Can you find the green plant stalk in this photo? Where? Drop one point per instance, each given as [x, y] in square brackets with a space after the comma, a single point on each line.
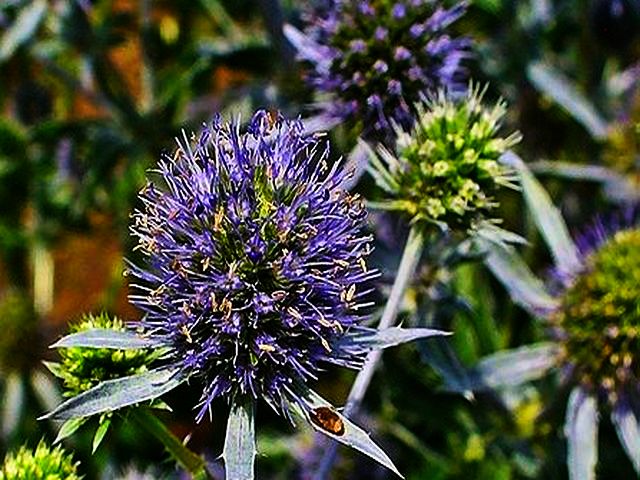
[406, 270]
[187, 459]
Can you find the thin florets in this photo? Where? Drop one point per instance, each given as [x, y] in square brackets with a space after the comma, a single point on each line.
[255, 259]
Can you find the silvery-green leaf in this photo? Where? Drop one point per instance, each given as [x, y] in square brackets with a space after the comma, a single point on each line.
[352, 435]
[523, 286]
[12, 403]
[552, 83]
[240, 442]
[514, 367]
[626, 423]
[102, 430]
[307, 48]
[495, 234]
[390, 337]
[319, 123]
[23, 28]
[69, 427]
[546, 216]
[107, 338]
[575, 171]
[114, 394]
[581, 430]
[45, 389]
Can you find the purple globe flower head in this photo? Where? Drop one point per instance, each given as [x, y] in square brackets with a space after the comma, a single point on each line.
[403, 41]
[254, 278]
[257, 259]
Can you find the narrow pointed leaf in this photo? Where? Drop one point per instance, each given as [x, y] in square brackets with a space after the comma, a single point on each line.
[514, 367]
[305, 46]
[441, 357]
[102, 430]
[626, 423]
[581, 429]
[107, 338]
[319, 123]
[547, 217]
[22, 29]
[564, 93]
[69, 427]
[240, 443]
[523, 286]
[350, 434]
[390, 337]
[12, 404]
[114, 394]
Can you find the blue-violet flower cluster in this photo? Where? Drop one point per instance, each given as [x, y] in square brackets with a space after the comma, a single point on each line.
[376, 57]
[256, 260]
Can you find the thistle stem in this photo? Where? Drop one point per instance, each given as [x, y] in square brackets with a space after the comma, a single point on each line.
[188, 460]
[406, 270]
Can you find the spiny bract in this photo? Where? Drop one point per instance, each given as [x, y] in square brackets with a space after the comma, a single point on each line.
[82, 368]
[255, 259]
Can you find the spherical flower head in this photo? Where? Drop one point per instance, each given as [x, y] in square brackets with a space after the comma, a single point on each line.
[44, 463]
[255, 259]
[82, 368]
[599, 313]
[446, 171]
[20, 334]
[378, 56]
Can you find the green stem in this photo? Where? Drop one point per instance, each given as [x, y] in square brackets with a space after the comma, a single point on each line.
[188, 460]
[406, 270]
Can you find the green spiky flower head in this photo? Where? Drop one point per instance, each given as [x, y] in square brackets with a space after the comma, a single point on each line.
[447, 170]
[45, 463]
[82, 368]
[599, 316]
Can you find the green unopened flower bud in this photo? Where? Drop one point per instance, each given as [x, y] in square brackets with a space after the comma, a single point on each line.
[82, 368]
[44, 463]
[446, 170]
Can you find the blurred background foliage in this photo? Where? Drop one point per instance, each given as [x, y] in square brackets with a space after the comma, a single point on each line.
[93, 92]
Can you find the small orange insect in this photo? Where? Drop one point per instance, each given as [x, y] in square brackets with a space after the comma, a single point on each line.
[327, 420]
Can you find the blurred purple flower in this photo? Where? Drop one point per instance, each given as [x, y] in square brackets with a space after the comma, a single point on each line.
[397, 51]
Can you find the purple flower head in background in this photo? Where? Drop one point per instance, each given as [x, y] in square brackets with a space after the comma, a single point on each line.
[402, 50]
[256, 259]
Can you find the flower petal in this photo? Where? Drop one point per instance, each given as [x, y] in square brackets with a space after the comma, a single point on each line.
[114, 394]
[626, 423]
[581, 429]
[240, 442]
